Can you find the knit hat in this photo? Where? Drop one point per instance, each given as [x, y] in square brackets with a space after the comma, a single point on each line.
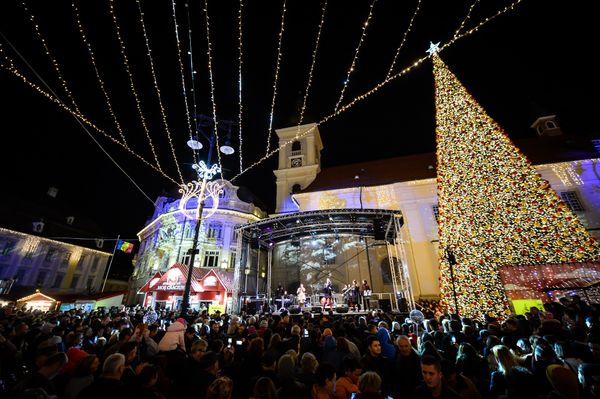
[563, 380]
[182, 321]
[74, 355]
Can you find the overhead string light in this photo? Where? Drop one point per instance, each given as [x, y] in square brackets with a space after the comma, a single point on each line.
[240, 48]
[212, 85]
[276, 75]
[312, 67]
[63, 82]
[356, 52]
[410, 24]
[188, 118]
[98, 77]
[377, 87]
[190, 54]
[156, 88]
[138, 103]
[462, 24]
[11, 68]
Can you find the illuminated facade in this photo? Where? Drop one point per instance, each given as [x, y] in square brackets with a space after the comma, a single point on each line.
[569, 164]
[167, 239]
[50, 265]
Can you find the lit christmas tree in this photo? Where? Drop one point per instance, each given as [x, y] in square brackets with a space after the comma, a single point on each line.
[494, 208]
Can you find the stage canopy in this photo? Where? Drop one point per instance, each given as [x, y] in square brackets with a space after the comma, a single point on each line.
[374, 223]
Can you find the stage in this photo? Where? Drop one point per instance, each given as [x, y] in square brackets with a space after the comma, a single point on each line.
[326, 312]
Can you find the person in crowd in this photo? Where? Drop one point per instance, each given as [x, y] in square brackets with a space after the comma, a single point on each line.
[406, 374]
[433, 382]
[130, 351]
[348, 382]
[372, 360]
[458, 382]
[308, 368]
[41, 379]
[109, 385]
[264, 389]
[145, 382]
[325, 382]
[369, 386]
[174, 338]
[83, 376]
[221, 388]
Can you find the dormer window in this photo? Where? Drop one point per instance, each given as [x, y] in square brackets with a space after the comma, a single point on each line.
[70, 220]
[38, 227]
[550, 125]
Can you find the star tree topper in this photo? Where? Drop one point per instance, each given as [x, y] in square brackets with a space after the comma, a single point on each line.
[433, 48]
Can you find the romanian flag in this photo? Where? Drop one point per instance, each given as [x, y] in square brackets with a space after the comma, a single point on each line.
[125, 246]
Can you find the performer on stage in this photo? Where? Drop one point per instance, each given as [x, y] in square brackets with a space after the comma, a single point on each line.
[280, 294]
[327, 292]
[354, 295]
[366, 295]
[301, 295]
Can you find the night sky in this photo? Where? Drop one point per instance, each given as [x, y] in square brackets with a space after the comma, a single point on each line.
[534, 59]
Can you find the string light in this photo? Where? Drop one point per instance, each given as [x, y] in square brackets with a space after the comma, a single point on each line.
[240, 81]
[462, 24]
[377, 87]
[276, 76]
[403, 40]
[138, 103]
[193, 77]
[212, 85]
[52, 59]
[495, 209]
[188, 119]
[312, 66]
[10, 68]
[100, 81]
[159, 97]
[356, 52]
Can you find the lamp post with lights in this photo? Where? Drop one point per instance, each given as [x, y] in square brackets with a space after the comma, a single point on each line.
[201, 189]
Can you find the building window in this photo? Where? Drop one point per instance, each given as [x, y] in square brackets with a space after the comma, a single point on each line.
[81, 260]
[50, 255]
[232, 259]
[329, 259]
[90, 284]
[186, 259]
[41, 278]
[596, 144]
[20, 276]
[7, 248]
[66, 259]
[215, 231]
[572, 200]
[74, 282]
[211, 258]
[436, 213]
[296, 148]
[58, 280]
[94, 266]
[234, 234]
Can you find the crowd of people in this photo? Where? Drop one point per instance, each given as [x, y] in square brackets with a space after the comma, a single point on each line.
[145, 353]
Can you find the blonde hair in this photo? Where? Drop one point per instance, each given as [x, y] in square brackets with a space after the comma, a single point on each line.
[369, 382]
[504, 358]
[220, 388]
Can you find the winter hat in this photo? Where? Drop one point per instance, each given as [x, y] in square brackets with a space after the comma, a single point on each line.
[74, 355]
[182, 321]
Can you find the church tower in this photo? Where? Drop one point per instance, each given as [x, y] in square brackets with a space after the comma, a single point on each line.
[299, 163]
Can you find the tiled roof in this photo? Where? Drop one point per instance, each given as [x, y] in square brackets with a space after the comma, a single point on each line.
[539, 150]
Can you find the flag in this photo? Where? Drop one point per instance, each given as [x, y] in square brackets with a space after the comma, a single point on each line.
[125, 246]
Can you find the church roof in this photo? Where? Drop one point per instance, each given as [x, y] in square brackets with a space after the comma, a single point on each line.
[538, 150]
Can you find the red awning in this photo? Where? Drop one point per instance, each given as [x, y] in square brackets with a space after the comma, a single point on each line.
[151, 283]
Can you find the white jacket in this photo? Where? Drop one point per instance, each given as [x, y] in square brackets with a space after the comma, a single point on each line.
[174, 338]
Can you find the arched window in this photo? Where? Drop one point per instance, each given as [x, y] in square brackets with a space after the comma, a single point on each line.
[296, 146]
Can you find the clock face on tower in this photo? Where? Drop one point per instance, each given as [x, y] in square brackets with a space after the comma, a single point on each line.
[296, 162]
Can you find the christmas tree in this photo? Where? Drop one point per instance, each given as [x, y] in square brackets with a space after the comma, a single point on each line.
[494, 208]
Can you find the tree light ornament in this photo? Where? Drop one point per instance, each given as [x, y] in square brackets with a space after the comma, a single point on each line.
[495, 210]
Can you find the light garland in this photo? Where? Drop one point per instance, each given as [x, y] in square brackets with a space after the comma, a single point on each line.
[52, 59]
[462, 24]
[494, 208]
[312, 67]
[188, 118]
[212, 85]
[100, 81]
[240, 81]
[192, 76]
[403, 40]
[276, 76]
[138, 103]
[377, 87]
[356, 52]
[79, 116]
[159, 97]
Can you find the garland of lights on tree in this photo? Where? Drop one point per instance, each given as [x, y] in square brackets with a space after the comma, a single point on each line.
[494, 208]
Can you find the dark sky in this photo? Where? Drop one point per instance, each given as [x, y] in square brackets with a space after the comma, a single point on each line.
[531, 60]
